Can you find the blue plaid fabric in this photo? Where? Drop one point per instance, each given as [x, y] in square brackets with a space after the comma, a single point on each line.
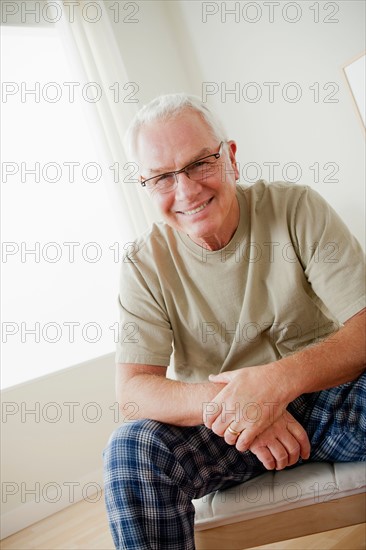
[154, 470]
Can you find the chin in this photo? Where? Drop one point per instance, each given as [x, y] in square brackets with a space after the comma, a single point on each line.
[201, 228]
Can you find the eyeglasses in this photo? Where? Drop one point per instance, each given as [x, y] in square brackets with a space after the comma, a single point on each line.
[199, 170]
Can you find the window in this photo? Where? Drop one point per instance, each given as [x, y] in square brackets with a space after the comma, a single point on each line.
[61, 244]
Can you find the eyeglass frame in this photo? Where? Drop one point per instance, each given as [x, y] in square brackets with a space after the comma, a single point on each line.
[176, 172]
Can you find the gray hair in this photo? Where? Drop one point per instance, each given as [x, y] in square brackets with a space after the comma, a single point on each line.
[166, 106]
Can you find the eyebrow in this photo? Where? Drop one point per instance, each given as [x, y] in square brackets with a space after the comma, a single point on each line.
[199, 155]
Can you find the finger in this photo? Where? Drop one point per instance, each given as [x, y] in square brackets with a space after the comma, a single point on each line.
[301, 437]
[210, 412]
[265, 456]
[222, 423]
[231, 438]
[247, 438]
[288, 441]
[279, 453]
[292, 447]
[282, 436]
[213, 409]
[229, 413]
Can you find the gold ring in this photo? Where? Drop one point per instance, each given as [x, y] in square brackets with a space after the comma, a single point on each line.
[234, 432]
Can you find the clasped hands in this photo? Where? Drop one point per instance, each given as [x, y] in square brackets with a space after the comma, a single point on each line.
[250, 413]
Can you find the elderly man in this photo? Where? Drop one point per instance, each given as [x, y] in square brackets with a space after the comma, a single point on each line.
[252, 296]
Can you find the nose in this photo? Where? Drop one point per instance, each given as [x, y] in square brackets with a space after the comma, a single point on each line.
[185, 187]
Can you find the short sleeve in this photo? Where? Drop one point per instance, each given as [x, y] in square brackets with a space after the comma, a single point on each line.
[145, 335]
[332, 258]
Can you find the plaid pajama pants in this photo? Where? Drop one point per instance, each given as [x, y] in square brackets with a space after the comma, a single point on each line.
[154, 470]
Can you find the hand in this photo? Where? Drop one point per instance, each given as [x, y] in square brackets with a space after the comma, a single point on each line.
[282, 443]
[252, 399]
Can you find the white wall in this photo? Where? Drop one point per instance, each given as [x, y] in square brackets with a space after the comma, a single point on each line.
[54, 429]
[219, 52]
[171, 49]
[305, 52]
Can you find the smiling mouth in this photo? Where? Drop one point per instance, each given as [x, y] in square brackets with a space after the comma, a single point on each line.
[196, 210]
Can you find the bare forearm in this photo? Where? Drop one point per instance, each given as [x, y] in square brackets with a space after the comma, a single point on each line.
[338, 359]
[159, 398]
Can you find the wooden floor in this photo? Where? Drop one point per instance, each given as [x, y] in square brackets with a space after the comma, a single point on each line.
[83, 526]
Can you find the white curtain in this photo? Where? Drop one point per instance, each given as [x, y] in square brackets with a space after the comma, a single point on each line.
[93, 50]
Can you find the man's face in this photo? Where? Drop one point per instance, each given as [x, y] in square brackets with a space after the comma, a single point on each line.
[167, 146]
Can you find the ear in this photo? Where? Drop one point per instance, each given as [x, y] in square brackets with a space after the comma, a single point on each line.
[232, 155]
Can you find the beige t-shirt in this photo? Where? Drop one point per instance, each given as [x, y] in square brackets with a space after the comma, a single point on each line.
[291, 274]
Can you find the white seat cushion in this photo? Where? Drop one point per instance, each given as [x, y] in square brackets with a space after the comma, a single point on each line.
[278, 491]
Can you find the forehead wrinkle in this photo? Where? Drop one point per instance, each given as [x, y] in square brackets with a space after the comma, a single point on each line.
[197, 156]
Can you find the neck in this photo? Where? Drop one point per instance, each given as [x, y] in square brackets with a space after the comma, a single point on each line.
[221, 239]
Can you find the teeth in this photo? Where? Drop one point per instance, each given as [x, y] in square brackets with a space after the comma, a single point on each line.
[190, 212]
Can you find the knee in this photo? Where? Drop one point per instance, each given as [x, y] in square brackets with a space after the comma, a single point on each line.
[131, 441]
